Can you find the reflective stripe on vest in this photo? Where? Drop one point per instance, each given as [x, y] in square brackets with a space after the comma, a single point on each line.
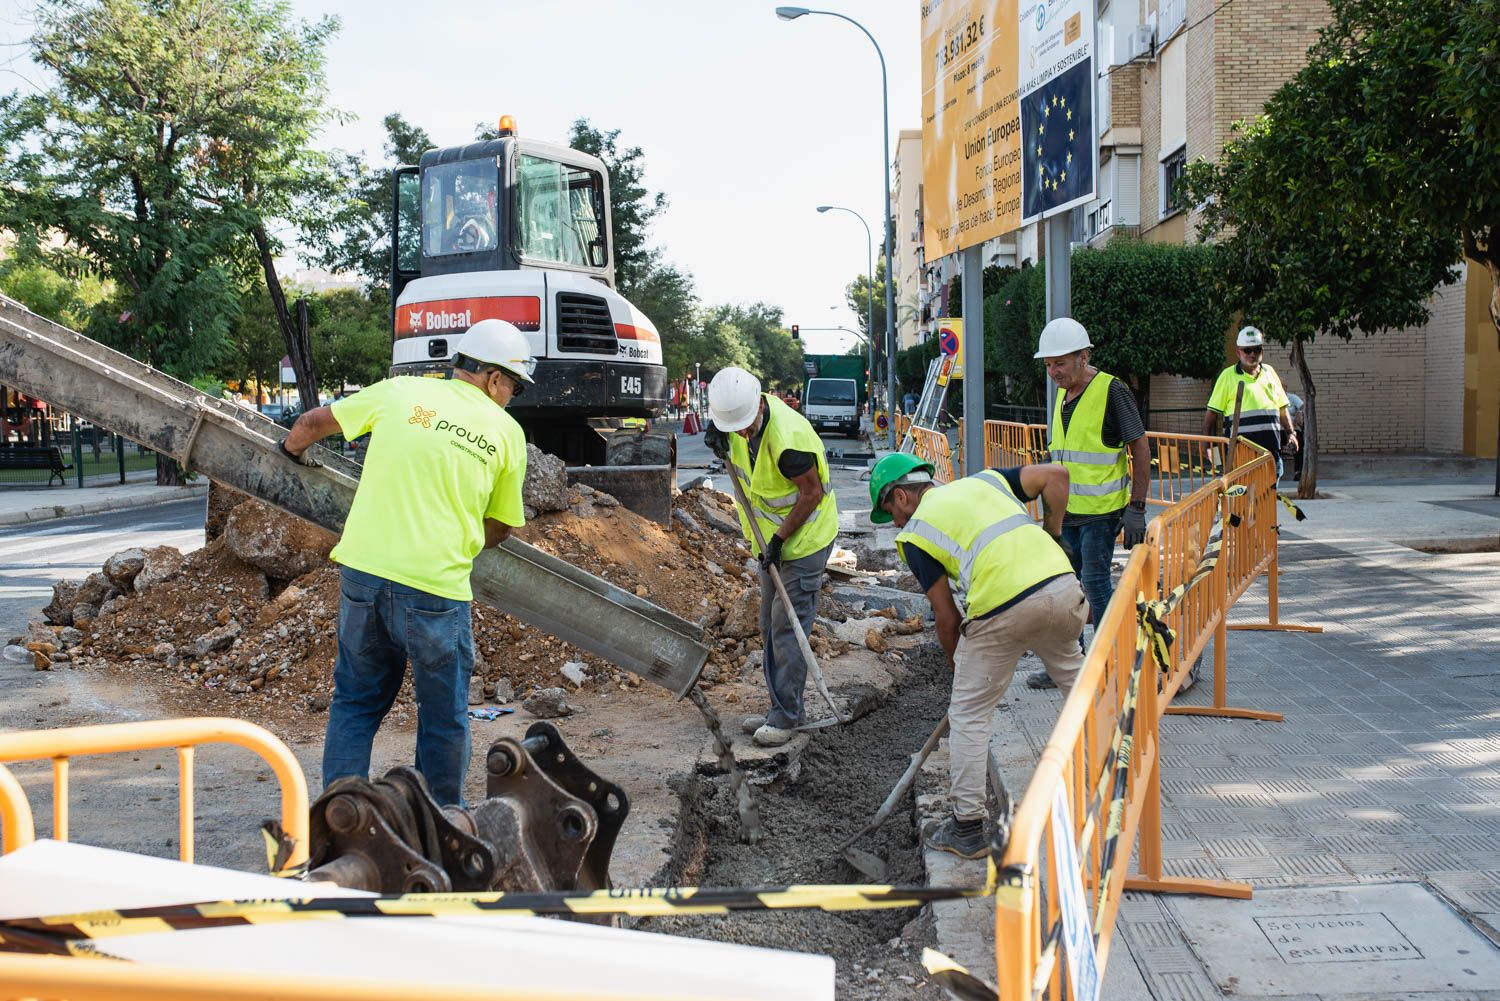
[1001, 558]
[771, 495]
[1098, 477]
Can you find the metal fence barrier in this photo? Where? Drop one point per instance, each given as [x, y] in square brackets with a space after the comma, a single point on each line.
[185, 735]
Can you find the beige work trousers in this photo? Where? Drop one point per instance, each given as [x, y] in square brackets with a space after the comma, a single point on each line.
[1048, 623]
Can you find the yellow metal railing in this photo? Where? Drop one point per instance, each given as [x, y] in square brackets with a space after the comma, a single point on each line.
[185, 735]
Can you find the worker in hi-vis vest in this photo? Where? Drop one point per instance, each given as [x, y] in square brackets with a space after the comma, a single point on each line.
[1094, 420]
[975, 535]
[1265, 414]
[784, 473]
[442, 480]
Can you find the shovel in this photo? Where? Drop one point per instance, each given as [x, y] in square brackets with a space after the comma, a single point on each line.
[867, 863]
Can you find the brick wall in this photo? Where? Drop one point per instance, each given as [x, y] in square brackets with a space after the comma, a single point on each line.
[1371, 390]
[1150, 91]
[1444, 412]
[1125, 97]
[1260, 45]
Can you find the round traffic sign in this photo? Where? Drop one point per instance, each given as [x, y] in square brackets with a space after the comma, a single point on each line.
[948, 341]
[881, 422]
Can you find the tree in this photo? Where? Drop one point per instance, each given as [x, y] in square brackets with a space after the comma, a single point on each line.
[174, 138]
[668, 299]
[857, 295]
[356, 237]
[63, 297]
[769, 349]
[351, 337]
[1302, 250]
[253, 348]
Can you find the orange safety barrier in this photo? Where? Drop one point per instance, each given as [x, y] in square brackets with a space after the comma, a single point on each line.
[903, 425]
[62, 745]
[1181, 463]
[1007, 443]
[15, 813]
[1252, 549]
[933, 446]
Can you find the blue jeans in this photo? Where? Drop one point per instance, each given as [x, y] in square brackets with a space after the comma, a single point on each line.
[382, 625]
[1093, 545]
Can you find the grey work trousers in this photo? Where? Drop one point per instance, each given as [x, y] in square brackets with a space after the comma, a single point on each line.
[786, 671]
[1047, 623]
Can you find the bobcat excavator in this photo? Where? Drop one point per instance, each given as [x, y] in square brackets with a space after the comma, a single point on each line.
[519, 230]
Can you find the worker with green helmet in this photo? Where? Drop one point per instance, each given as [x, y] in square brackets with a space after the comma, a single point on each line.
[1094, 421]
[784, 472]
[442, 480]
[976, 536]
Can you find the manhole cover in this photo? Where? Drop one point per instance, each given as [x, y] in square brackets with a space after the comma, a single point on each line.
[1337, 942]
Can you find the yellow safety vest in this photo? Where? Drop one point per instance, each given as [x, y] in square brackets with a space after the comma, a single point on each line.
[1098, 477]
[772, 495]
[985, 540]
[1260, 409]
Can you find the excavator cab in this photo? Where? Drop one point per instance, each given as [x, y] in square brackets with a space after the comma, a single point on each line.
[519, 230]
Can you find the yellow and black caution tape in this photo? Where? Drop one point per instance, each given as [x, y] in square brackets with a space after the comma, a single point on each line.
[634, 902]
[954, 978]
[1287, 503]
[279, 845]
[45, 944]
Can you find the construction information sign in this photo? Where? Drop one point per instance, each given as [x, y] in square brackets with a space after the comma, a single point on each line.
[1007, 116]
[1059, 157]
[971, 146]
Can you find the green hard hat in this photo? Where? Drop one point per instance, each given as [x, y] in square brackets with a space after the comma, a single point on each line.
[892, 469]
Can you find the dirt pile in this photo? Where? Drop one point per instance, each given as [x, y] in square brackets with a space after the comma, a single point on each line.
[215, 623]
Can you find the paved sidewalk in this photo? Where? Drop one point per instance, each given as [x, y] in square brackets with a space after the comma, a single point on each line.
[1377, 800]
[25, 506]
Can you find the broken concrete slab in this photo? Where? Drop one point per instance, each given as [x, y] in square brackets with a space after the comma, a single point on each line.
[873, 596]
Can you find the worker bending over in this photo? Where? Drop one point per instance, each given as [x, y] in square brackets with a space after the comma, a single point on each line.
[975, 534]
[784, 473]
[442, 480]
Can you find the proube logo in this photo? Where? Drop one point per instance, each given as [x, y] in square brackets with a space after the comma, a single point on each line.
[422, 417]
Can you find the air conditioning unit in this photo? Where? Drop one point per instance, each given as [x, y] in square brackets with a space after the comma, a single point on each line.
[1142, 41]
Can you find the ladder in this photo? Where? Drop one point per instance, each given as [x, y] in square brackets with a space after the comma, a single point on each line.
[934, 398]
[236, 446]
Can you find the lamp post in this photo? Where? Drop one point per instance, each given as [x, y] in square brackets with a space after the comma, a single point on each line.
[791, 14]
[869, 299]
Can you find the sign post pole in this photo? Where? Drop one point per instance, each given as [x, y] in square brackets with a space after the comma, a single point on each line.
[973, 358]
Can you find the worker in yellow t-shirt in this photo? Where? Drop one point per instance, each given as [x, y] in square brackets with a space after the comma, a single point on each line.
[442, 480]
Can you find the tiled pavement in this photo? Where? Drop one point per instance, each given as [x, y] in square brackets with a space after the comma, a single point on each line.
[1386, 769]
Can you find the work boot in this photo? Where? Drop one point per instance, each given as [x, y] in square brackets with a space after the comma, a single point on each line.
[752, 723]
[947, 836]
[1040, 679]
[773, 736]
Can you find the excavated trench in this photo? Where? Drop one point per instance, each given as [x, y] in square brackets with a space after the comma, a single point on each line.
[845, 775]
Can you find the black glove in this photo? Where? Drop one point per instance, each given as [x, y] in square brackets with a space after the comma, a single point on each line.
[771, 557]
[302, 460]
[717, 442]
[1135, 525]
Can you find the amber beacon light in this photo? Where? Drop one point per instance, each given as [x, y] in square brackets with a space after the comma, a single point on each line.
[507, 125]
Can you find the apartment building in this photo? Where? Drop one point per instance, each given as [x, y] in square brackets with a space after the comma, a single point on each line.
[906, 207]
[1174, 77]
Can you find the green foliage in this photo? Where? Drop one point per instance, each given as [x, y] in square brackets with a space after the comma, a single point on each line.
[995, 276]
[856, 294]
[356, 236]
[1149, 309]
[174, 134]
[253, 347]
[351, 338]
[51, 293]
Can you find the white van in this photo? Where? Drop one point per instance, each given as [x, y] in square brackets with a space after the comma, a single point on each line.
[832, 405]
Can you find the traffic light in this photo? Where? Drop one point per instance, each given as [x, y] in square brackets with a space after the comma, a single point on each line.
[795, 336]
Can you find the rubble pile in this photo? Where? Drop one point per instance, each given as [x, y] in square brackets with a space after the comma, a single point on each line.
[254, 613]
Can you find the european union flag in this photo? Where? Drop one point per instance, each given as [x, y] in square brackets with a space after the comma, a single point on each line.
[1057, 141]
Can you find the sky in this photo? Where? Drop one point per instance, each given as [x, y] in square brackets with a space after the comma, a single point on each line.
[747, 122]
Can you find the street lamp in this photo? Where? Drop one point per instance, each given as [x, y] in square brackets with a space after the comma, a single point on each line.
[791, 14]
[869, 297]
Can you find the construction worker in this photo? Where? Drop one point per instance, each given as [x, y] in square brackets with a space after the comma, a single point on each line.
[1021, 592]
[784, 474]
[1265, 417]
[442, 480]
[1094, 420]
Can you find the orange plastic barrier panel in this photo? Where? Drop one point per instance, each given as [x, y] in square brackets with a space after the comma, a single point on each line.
[933, 446]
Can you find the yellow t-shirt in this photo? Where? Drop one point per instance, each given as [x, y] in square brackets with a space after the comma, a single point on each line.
[442, 458]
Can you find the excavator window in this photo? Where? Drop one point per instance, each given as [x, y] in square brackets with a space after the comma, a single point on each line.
[560, 213]
[458, 213]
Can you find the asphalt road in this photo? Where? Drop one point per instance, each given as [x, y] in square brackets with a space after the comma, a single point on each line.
[34, 557]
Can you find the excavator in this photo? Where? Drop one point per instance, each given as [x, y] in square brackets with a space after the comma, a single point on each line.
[517, 229]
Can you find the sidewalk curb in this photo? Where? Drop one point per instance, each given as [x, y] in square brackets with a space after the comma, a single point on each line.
[56, 511]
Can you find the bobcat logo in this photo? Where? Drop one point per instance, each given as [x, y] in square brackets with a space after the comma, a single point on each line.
[422, 417]
[415, 319]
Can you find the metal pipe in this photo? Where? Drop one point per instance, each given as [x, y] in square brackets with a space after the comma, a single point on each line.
[869, 304]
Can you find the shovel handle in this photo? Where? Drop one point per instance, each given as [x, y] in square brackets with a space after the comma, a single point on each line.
[904, 783]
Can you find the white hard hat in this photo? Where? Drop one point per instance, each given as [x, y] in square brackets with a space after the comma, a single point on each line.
[733, 399]
[1250, 337]
[496, 342]
[1062, 336]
